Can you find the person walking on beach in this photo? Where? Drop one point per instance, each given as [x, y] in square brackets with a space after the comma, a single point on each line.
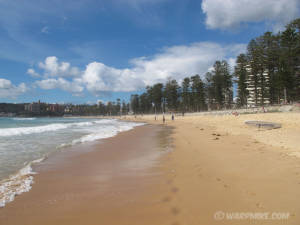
[172, 116]
[164, 120]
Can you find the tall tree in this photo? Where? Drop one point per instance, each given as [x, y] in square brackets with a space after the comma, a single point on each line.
[172, 94]
[227, 84]
[118, 106]
[240, 72]
[145, 103]
[157, 96]
[198, 95]
[290, 61]
[134, 102]
[124, 108]
[186, 94]
[210, 90]
[218, 84]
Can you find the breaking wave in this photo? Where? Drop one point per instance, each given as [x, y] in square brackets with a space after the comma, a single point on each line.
[17, 184]
[6, 132]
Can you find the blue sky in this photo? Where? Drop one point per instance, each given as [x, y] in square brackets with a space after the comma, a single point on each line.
[61, 51]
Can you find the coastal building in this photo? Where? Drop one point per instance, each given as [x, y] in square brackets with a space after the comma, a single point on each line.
[55, 108]
[34, 107]
[68, 109]
[258, 88]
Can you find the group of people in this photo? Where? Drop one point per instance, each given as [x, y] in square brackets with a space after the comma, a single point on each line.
[164, 119]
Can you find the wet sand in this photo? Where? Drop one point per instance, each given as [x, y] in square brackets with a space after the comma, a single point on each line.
[98, 183]
[209, 169]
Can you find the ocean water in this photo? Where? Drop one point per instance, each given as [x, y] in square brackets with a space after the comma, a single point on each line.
[24, 141]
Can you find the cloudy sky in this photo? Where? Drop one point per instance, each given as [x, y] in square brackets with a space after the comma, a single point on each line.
[85, 50]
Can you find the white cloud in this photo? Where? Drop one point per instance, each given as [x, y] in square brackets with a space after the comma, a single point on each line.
[101, 78]
[176, 62]
[227, 14]
[45, 30]
[32, 73]
[60, 83]
[53, 68]
[182, 61]
[8, 90]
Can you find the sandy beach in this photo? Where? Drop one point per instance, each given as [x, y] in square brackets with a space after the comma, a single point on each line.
[193, 170]
[219, 164]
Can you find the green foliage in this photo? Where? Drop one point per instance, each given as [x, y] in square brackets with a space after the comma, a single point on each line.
[240, 73]
[186, 94]
[277, 55]
[171, 94]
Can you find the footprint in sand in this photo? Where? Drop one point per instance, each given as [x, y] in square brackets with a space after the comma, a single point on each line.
[175, 223]
[169, 181]
[216, 138]
[174, 189]
[224, 185]
[166, 199]
[251, 193]
[175, 211]
[259, 205]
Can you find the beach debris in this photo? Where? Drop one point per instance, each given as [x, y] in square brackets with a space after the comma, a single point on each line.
[263, 124]
[174, 189]
[175, 210]
[166, 199]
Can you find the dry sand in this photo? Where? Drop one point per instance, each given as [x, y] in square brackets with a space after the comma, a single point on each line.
[221, 164]
[217, 164]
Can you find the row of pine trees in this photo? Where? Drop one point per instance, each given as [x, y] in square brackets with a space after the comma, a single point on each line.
[193, 94]
[277, 55]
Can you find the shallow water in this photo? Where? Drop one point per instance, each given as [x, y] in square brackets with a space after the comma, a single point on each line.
[24, 140]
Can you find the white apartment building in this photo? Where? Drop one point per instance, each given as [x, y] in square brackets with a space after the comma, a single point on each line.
[251, 100]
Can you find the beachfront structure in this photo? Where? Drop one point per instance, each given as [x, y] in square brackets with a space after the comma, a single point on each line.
[34, 107]
[257, 87]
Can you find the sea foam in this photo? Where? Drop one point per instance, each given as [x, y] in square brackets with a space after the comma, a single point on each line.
[6, 132]
[17, 184]
[22, 181]
[24, 118]
[106, 132]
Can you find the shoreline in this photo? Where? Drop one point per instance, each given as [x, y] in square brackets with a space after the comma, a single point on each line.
[104, 170]
[217, 163]
[20, 179]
